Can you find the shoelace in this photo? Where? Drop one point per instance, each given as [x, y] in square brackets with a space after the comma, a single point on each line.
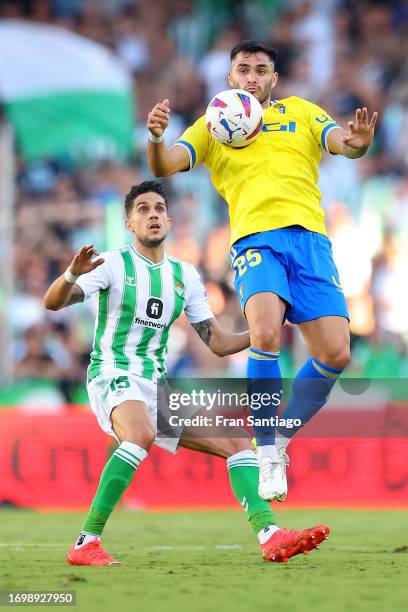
[266, 469]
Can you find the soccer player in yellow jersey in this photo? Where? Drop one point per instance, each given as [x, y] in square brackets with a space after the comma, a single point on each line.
[280, 251]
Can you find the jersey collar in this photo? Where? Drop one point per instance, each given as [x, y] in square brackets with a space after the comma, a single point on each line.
[148, 261]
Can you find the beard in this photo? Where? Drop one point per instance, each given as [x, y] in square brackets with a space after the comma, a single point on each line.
[152, 243]
[263, 95]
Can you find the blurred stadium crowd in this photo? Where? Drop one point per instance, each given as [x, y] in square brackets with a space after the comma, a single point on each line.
[339, 54]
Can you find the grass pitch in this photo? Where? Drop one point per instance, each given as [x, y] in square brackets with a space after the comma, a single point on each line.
[210, 561]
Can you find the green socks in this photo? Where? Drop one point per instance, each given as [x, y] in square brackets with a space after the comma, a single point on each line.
[118, 473]
[244, 474]
[115, 478]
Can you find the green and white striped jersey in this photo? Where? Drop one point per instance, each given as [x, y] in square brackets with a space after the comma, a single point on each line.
[138, 302]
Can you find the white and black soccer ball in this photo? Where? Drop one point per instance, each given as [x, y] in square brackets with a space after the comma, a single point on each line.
[234, 117]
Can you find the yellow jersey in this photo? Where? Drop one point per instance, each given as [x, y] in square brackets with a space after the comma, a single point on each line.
[271, 183]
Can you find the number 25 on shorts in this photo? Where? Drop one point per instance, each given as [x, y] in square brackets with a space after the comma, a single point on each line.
[251, 258]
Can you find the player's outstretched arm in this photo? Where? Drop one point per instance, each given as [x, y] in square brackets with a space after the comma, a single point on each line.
[64, 291]
[220, 342]
[354, 142]
[163, 161]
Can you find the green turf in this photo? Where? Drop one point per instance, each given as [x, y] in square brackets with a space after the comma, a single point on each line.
[214, 563]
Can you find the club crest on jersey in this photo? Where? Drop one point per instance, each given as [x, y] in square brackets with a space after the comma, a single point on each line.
[179, 289]
[281, 108]
[154, 308]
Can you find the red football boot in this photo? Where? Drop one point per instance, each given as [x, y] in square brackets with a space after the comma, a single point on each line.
[90, 554]
[286, 543]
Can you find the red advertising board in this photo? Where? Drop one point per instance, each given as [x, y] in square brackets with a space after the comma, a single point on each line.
[54, 462]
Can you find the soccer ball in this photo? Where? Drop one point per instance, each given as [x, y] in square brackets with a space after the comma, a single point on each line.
[234, 117]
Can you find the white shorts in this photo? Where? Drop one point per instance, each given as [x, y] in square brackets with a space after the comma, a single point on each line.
[113, 387]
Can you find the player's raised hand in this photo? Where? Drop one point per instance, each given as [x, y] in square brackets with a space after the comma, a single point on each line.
[158, 118]
[361, 131]
[83, 262]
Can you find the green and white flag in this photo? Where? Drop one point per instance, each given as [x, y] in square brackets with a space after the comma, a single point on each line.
[63, 93]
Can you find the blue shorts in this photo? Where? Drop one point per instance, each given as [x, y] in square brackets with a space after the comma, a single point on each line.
[294, 263]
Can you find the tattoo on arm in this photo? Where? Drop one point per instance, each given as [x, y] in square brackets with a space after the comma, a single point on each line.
[204, 329]
[76, 295]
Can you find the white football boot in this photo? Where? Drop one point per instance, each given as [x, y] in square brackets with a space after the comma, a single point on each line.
[273, 485]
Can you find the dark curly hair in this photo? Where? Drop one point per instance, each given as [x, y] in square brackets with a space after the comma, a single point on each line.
[145, 187]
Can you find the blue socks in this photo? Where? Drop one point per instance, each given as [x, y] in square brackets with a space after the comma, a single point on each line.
[310, 391]
[265, 378]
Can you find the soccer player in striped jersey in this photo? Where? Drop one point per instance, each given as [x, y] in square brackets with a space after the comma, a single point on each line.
[279, 246]
[142, 291]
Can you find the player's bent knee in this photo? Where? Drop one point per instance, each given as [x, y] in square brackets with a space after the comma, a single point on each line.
[238, 445]
[265, 338]
[131, 422]
[143, 438]
[337, 359]
[138, 433]
[343, 359]
[230, 446]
